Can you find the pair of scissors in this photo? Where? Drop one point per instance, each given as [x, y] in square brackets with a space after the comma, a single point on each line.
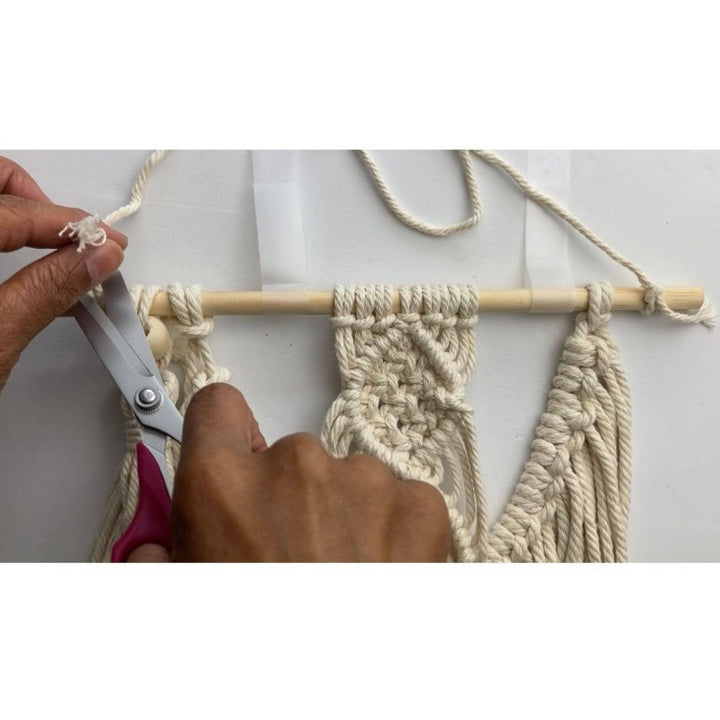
[119, 340]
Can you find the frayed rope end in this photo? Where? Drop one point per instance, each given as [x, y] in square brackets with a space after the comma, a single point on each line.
[704, 315]
[85, 232]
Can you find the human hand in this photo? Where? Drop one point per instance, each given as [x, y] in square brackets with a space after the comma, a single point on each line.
[235, 499]
[50, 286]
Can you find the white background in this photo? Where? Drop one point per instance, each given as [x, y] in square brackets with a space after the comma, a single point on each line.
[60, 429]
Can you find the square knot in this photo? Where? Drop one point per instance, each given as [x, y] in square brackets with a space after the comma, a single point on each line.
[403, 374]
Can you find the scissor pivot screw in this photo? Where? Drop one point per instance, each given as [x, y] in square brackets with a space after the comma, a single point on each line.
[147, 400]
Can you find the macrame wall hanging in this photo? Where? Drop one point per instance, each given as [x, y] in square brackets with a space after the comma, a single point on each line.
[405, 357]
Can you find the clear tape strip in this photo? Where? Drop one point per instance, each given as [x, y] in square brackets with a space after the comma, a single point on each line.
[281, 299]
[547, 265]
[278, 217]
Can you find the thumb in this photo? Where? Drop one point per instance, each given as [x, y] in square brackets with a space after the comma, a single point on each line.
[45, 289]
[218, 418]
[148, 554]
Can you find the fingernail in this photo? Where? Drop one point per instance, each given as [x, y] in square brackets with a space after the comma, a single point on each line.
[102, 261]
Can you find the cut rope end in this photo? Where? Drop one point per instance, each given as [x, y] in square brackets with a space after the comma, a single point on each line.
[85, 232]
[704, 315]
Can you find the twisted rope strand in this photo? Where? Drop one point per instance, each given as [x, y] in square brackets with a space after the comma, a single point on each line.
[577, 480]
[138, 189]
[653, 293]
[410, 220]
[705, 314]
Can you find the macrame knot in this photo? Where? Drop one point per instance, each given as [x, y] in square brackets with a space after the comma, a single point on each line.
[651, 297]
[600, 298]
[403, 392]
[85, 232]
[196, 331]
[573, 498]
[654, 300]
[187, 306]
[603, 354]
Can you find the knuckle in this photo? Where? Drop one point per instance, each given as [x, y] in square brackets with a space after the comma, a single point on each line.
[49, 286]
[300, 455]
[7, 167]
[207, 479]
[369, 470]
[15, 225]
[427, 500]
[10, 303]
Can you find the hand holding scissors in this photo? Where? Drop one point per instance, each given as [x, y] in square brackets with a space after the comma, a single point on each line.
[118, 338]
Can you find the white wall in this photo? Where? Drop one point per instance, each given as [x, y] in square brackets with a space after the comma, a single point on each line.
[60, 428]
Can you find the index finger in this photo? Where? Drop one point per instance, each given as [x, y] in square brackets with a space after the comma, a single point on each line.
[30, 223]
[16, 181]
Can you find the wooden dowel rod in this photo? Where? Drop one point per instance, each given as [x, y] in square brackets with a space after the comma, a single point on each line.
[253, 302]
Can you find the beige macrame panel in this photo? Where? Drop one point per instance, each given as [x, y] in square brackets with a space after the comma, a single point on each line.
[402, 399]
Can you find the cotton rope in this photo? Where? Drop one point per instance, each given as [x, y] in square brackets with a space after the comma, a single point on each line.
[402, 399]
[409, 219]
[653, 292]
[86, 231]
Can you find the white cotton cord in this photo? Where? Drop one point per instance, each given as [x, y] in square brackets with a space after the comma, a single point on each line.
[573, 498]
[403, 382]
[88, 231]
[653, 292]
[410, 220]
[138, 190]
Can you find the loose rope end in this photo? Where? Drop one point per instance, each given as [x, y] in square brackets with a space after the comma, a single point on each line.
[705, 314]
[85, 232]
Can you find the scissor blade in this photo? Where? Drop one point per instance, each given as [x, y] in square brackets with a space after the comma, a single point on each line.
[155, 442]
[120, 310]
[116, 353]
[125, 367]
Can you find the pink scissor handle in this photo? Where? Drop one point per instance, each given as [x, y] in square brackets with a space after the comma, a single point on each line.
[151, 523]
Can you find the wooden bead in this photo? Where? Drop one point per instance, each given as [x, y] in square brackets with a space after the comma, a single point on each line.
[158, 337]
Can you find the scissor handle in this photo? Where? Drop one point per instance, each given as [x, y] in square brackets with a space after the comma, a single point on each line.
[151, 523]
